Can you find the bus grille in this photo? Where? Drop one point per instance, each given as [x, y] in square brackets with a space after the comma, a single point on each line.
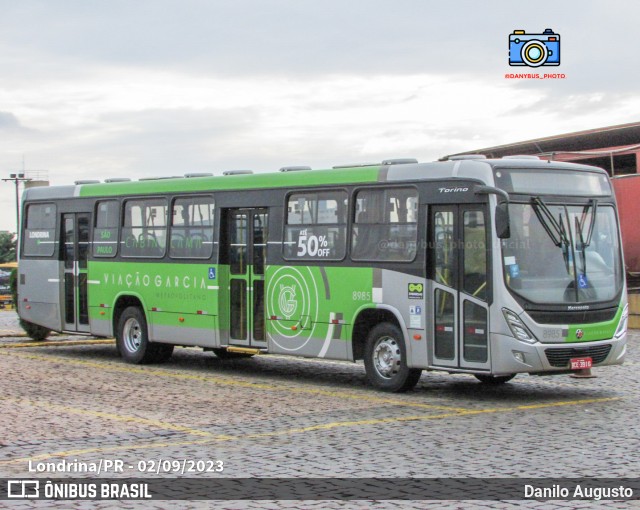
[559, 356]
[584, 317]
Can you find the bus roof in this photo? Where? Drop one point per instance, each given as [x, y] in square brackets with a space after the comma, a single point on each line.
[479, 169]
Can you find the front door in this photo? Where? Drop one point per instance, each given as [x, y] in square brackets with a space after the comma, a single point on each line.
[459, 270]
[247, 238]
[75, 252]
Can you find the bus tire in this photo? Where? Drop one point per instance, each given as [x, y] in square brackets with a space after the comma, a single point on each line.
[34, 331]
[132, 338]
[385, 360]
[222, 353]
[494, 380]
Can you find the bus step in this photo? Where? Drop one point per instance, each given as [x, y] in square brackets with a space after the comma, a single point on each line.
[244, 350]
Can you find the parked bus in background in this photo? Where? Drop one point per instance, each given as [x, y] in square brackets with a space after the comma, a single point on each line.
[6, 300]
[469, 265]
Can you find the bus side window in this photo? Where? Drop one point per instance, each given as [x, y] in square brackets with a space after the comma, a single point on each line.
[444, 257]
[316, 226]
[40, 232]
[192, 227]
[144, 233]
[385, 225]
[105, 232]
[475, 254]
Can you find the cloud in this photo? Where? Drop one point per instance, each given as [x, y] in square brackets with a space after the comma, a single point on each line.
[8, 121]
[244, 37]
[573, 105]
[162, 87]
[251, 39]
[290, 37]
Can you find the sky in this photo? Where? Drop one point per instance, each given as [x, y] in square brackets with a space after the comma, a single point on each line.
[97, 89]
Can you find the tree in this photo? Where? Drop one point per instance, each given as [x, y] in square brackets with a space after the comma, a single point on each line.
[7, 247]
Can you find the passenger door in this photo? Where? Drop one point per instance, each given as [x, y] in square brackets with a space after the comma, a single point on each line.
[247, 248]
[75, 253]
[460, 289]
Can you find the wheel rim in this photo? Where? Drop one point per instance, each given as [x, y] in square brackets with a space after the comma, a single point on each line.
[132, 335]
[387, 357]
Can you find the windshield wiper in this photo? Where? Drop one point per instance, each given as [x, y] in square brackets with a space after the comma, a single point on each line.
[593, 204]
[556, 231]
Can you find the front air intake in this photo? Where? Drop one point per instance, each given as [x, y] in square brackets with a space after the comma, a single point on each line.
[559, 357]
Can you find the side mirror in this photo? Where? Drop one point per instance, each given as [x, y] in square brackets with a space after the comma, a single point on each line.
[502, 209]
[503, 228]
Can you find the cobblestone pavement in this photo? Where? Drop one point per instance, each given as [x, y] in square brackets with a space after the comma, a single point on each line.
[274, 416]
[9, 324]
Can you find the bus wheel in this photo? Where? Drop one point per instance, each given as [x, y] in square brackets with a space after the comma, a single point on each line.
[35, 332]
[132, 339]
[224, 354]
[385, 360]
[494, 379]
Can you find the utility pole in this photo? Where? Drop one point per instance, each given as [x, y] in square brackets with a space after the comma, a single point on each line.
[17, 179]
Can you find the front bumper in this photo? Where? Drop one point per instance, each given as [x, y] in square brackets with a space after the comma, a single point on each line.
[511, 356]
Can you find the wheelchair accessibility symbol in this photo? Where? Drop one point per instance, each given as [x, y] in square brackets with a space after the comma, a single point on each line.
[583, 283]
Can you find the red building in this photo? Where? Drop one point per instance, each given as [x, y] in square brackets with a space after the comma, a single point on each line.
[614, 148]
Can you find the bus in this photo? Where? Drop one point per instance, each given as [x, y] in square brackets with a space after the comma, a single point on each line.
[466, 265]
[6, 299]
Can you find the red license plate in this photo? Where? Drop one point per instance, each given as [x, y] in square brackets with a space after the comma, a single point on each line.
[580, 363]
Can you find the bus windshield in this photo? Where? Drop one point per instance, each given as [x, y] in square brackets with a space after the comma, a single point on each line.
[562, 253]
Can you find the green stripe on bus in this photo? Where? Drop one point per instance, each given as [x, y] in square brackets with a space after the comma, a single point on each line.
[235, 182]
[596, 331]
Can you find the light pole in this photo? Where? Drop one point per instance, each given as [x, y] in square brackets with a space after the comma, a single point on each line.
[17, 179]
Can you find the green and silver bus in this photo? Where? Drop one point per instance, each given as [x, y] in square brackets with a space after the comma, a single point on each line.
[468, 265]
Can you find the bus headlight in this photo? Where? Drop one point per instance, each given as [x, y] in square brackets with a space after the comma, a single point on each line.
[517, 327]
[622, 327]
